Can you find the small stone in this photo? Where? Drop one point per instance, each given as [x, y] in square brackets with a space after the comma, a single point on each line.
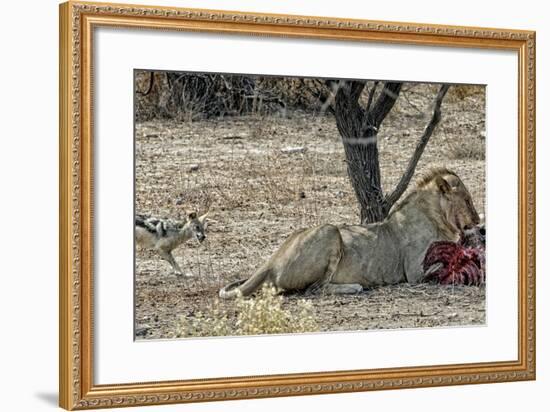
[293, 149]
[193, 167]
[142, 331]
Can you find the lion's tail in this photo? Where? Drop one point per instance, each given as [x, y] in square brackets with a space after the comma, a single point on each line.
[244, 287]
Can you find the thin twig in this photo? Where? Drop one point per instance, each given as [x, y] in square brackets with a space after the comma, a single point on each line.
[409, 172]
[150, 87]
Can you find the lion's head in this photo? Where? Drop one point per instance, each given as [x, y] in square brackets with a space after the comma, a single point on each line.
[455, 203]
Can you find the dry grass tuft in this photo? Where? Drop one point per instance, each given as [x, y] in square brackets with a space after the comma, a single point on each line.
[462, 92]
[261, 315]
[473, 150]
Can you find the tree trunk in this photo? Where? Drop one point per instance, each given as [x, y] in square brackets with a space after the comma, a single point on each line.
[364, 173]
[359, 129]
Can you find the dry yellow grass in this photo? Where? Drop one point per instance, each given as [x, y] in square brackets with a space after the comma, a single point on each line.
[261, 315]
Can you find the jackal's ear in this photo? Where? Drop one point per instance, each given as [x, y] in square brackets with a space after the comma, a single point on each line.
[192, 215]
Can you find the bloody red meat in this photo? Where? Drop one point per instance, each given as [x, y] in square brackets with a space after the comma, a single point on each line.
[459, 263]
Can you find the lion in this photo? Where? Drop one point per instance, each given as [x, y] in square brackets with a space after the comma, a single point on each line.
[346, 259]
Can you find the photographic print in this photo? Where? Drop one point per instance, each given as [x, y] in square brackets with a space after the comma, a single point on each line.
[251, 191]
[277, 205]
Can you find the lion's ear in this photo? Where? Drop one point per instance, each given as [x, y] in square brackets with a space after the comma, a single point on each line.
[443, 186]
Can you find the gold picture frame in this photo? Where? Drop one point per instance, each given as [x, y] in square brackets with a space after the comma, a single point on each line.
[77, 388]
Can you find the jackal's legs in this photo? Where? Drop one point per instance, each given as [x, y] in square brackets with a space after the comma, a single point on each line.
[168, 257]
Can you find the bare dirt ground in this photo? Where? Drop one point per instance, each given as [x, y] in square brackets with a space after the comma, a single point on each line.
[258, 195]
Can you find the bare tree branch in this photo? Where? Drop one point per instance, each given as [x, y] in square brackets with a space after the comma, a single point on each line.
[356, 87]
[349, 113]
[384, 103]
[409, 172]
[371, 95]
[323, 92]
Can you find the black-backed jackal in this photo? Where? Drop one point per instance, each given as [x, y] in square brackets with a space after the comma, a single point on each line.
[164, 235]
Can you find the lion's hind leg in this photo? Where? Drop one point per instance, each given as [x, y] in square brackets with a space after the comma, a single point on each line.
[324, 283]
[308, 260]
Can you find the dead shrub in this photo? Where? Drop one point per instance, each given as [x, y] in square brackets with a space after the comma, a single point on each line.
[463, 91]
[261, 315]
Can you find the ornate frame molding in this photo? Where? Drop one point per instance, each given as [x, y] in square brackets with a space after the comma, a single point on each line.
[77, 20]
